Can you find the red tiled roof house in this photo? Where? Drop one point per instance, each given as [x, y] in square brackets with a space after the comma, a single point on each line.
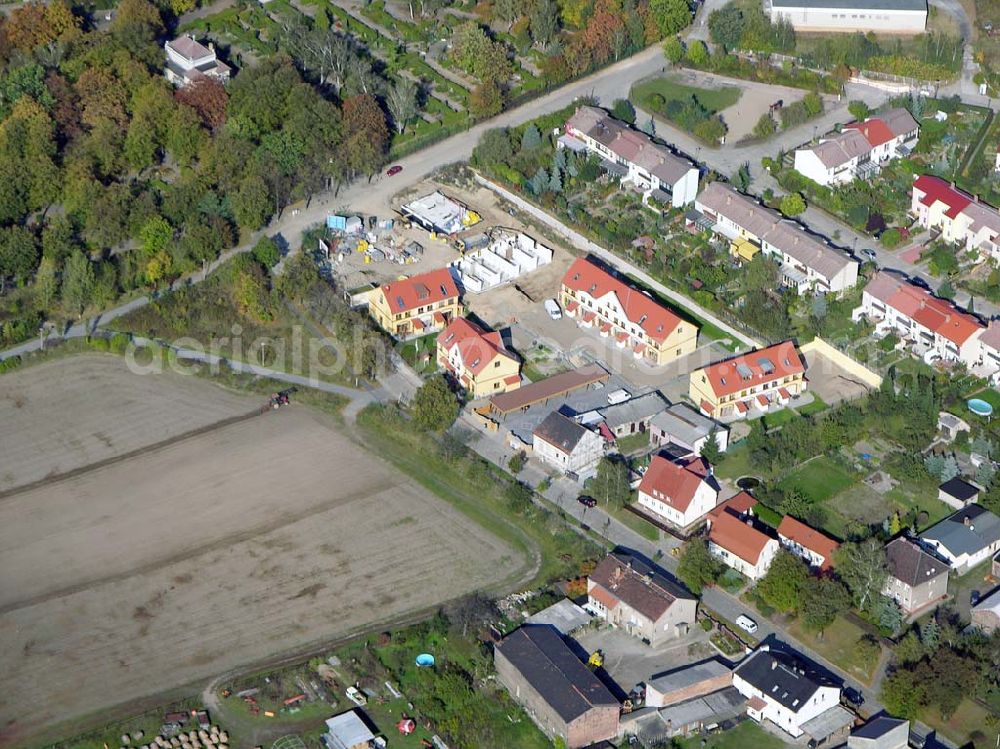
[596, 299]
[478, 360]
[416, 306]
[734, 538]
[806, 542]
[960, 217]
[759, 380]
[679, 493]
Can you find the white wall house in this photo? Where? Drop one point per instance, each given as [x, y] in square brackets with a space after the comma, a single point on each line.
[189, 61]
[965, 539]
[734, 538]
[860, 150]
[567, 446]
[807, 263]
[922, 320]
[784, 689]
[650, 166]
[679, 493]
[960, 218]
[508, 256]
[846, 16]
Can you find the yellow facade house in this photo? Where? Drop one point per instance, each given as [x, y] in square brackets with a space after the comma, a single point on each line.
[416, 306]
[478, 360]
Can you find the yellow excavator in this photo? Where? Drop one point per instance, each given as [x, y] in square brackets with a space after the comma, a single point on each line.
[596, 659]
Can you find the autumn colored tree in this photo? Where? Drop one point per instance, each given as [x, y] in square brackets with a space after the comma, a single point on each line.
[208, 98]
[605, 31]
[366, 134]
[102, 96]
[36, 24]
[486, 100]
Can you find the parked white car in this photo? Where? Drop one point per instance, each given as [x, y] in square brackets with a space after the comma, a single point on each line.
[552, 307]
[746, 623]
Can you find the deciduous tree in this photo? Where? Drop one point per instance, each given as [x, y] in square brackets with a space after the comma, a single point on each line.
[435, 406]
[670, 16]
[697, 567]
[784, 585]
[401, 99]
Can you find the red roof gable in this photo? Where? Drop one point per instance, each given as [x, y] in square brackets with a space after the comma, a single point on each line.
[754, 368]
[476, 347]
[419, 291]
[674, 484]
[738, 504]
[937, 315]
[935, 189]
[809, 538]
[874, 129]
[738, 537]
[657, 321]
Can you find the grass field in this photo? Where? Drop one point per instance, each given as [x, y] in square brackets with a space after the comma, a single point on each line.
[839, 646]
[209, 553]
[815, 406]
[818, 480]
[712, 99]
[735, 464]
[747, 735]
[779, 418]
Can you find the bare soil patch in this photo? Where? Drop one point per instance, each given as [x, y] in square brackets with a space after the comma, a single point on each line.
[239, 544]
[68, 413]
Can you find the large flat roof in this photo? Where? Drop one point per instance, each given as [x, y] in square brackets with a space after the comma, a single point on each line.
[853, 4]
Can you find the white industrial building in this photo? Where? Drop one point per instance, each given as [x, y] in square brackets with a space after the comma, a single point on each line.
[847, 16]
[508, 255]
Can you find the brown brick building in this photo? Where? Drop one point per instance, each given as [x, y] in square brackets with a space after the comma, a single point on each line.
[688, 682]
[561, 694]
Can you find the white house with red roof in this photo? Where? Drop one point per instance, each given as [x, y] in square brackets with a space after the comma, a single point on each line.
[189, 61]
[633, 156]
[416, 306]
[860, 149]
[960, 217]
[736, 539]
[760, 380]
[477, 359]
[920, 319]
[680, 493]
[651, 331]
[815, 547]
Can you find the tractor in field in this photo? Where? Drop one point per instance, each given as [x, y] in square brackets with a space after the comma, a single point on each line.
[282, 398]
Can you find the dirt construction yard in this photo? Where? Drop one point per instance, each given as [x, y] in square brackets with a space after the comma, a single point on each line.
[206, 553]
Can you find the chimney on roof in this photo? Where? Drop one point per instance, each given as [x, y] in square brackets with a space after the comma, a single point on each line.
[953, 184]
[975, 198]
[967, 521]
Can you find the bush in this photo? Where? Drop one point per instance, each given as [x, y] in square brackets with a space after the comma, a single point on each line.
[12, 362]
[891, 238]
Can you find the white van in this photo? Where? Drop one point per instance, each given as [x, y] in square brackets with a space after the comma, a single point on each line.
[745, 622]
[552, 307]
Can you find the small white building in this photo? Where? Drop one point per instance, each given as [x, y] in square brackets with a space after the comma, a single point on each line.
[784, 689]
[189, 61]
[563, 444]
[882, 732]
[848, 16]
[681, 429]
[633, 156]
[349, 731]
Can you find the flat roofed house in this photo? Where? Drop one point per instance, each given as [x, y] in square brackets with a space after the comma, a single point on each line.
[920, 319]
[416, 306]
[189, 61]
[883, 732]
[679, 493]
[631, 594]
[986, 613]
[734, 537]
[684, 431]
[785, 689]
[759, 380]
[816, 548]
[808, 263]
[638, 323]
[562, 695]
[849, 16]
[687, 682]
[632, 156]
[562, 443]
[965, 539]
[477, 359]
[958, 493]
[916, 579]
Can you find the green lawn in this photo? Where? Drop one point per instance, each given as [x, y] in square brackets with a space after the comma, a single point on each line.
[633, 443]
[989, 395]
[645, 529]
[968, 717]
[815, 406]
[735, 463]
[421, 353]
[818, 480]
[713, 99]
[778, 418]
[747, 735]
[839, 646]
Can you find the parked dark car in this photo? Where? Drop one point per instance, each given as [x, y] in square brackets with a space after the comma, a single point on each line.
[973, 597]
[586, 501]
[853, 697]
